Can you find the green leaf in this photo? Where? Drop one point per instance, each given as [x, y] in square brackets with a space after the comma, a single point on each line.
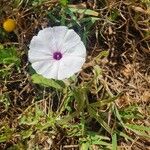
[104, 53]
[17, 3]
[63, 2]
[139, 130]
[85, 146]
[80, 95]
[67, 118]
[5, 133]
[125, 136]
[9, 56]
[114, 15]
[84, 11]
[27, 133]
[114, 141]
[89, 20]
[101, 103]
[3, 138]
[29, 120]
[5, 100]
[96, 115]
[96, 136]
[32, 117]
[97, 71]
[52, 18]
[138, 127]
[118, 116]
[39, 79]
[131, 112]
[102, 143]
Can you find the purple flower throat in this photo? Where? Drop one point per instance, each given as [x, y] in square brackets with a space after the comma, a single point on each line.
[57, 55]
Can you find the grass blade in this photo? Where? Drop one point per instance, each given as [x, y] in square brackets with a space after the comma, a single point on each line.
[114, 141]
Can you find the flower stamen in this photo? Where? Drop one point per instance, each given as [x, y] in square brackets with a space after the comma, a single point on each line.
[57, 55]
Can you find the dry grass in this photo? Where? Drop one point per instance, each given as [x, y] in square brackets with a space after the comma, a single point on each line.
[123, 30]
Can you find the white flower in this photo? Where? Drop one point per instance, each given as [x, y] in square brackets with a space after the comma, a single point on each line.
[57, 52]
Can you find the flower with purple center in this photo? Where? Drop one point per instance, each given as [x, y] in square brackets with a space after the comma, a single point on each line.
[57, 52]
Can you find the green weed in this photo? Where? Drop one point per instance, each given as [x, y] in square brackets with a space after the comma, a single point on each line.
[9, 60]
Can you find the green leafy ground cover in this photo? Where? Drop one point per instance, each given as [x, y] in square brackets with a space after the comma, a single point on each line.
[104, 107]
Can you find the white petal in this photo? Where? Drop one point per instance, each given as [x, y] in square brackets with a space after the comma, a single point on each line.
[77, 50]
[37, 44]
[69, 66]
[52, 72]
[44, 41]
[46, 33]
[42, 46]
[73, 45]
[34, 56]
[71, 37]
[47, 36]
[59, 34]
[47, 69]
[41, 66]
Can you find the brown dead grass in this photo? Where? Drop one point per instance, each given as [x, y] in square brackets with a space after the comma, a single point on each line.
[126, 70]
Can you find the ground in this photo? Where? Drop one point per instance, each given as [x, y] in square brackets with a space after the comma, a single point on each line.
[106, 106]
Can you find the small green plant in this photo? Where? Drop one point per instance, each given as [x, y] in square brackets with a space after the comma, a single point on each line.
[9, 59]
[91, 139]
[63, 2]
[4, 102]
